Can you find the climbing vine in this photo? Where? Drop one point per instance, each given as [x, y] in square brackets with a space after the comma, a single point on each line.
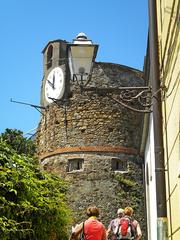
[130, 193]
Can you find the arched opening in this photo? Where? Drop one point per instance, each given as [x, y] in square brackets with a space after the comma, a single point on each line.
[49, 56]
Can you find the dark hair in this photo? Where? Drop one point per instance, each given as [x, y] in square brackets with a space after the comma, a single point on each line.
[92, 211]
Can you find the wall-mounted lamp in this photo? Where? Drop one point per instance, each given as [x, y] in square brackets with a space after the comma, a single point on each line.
[81, 54]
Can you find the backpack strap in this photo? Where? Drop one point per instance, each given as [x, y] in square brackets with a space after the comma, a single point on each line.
[135, 223]
[117, 233]
[82, 233]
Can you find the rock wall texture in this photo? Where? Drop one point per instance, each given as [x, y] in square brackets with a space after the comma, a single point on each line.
[93, 143]
[92, 119]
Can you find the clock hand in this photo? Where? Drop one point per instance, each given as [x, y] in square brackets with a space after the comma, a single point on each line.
[53, 79]
[50, 83]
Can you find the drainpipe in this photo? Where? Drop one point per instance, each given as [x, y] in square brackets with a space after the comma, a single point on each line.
[157, 120]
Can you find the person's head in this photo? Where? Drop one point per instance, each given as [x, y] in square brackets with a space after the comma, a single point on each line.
[120, 212]
[92, 211]
[128, 211]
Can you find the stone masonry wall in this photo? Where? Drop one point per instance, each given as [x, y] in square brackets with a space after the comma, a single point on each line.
[89, 119]
[97, 130]
[97, 183]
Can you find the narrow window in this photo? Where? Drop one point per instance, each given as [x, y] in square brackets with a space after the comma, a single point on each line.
[75, 164]
[49, 56]
[119, 164]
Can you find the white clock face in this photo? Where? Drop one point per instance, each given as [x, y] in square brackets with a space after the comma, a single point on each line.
[55, 85]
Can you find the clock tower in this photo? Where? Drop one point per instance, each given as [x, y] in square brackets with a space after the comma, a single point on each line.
[89, 139]
[54, 72]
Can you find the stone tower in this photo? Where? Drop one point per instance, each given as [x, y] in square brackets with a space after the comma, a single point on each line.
[89, 139]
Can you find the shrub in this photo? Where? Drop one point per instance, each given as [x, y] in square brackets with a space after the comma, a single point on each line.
[32, 202]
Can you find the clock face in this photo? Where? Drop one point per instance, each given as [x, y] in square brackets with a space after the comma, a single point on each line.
[55, 85]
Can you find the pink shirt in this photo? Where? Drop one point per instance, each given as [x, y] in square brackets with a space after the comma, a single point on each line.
[94, 230]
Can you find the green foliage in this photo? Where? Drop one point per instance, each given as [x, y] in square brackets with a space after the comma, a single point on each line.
[126, 182]
[32, 202]
[131, 190]
[130, 193]
[15, 139]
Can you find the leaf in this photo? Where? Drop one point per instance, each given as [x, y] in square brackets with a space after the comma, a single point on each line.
[13, 190]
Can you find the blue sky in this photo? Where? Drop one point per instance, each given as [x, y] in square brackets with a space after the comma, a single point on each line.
[120, 28]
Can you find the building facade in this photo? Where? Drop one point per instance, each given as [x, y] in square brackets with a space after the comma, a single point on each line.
[168, 39]
[168, 20]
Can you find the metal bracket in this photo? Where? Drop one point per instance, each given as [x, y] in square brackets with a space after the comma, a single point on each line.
[160, 170]
[31, 105]
[138, 99]
[81, 82]
[59, 102]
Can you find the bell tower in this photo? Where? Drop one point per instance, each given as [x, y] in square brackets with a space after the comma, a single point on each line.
[54, 63]
[87, 138]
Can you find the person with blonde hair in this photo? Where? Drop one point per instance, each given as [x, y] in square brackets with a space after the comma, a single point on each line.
[134, 224]
[92, 228]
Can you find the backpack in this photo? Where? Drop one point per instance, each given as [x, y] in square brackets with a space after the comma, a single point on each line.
[126, 229]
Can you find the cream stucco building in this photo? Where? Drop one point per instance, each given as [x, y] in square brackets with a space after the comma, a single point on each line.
[168, 54]
[168, 19]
